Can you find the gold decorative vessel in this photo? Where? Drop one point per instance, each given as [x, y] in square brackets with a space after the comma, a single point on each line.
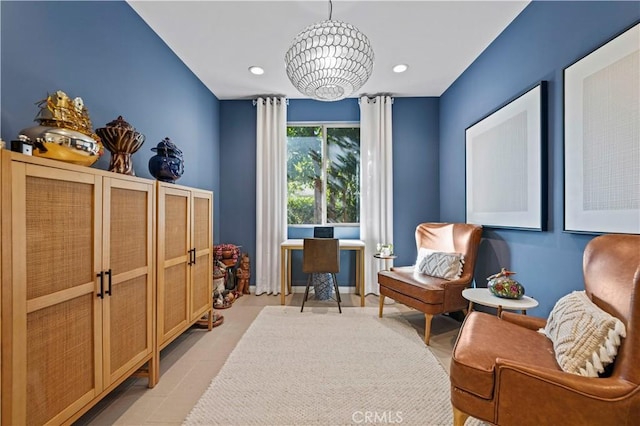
[64, 132]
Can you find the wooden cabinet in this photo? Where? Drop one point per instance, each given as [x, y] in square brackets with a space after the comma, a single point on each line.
[185, 256]
[78, 301]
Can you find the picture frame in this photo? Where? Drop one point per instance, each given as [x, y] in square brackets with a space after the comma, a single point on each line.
[505, 152]
[601, 138]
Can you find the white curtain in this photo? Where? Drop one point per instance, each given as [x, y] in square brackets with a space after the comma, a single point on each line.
[271, 191]
[376, 185]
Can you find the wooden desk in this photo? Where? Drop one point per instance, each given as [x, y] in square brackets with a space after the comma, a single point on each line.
[285, 264]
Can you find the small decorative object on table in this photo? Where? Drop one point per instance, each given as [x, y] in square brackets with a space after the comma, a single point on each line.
[384, 249]
[122, 140]
[502, 285]
[168, 164]
[64, 132]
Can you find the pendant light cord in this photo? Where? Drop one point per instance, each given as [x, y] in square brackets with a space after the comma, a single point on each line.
[330, 9]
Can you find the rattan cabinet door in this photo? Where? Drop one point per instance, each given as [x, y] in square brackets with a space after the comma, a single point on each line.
[128, 238]
[202, 243]
[174, 225]
[55, 340]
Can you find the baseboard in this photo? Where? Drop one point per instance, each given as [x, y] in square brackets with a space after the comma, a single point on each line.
[300, 289]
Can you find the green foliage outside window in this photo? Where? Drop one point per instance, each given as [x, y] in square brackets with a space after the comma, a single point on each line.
[314, 152]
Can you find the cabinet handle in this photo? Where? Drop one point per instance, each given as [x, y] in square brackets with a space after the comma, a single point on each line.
[109, 282]
[190, 258]
[194, 255]
[101, 292]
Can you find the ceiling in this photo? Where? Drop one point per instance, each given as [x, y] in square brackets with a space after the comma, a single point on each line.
[220, 40]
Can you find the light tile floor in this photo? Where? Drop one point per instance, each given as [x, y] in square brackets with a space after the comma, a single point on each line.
[188, 364]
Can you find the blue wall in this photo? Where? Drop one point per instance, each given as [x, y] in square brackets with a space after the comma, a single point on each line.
[544, 39]
[106, 54]
[415, 151]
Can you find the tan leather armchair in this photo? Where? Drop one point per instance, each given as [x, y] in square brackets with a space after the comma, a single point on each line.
[504, 372]
[432, 295]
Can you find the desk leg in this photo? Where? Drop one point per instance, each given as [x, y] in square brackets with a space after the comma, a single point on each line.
[361, 276]
[357, 272]
[289, 281]
[282, 272]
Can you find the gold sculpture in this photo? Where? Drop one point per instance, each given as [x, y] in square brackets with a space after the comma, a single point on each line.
[64, 131]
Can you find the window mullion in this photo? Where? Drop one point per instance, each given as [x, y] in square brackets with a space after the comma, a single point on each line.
[325, 175]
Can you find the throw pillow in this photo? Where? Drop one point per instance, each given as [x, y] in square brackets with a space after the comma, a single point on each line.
[439, 264]
[585, 338]
[422, 253]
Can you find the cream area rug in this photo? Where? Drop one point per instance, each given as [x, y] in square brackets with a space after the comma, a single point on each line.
[320, 367]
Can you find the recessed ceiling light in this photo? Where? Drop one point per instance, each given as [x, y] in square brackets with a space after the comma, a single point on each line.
[256, 70]
[400, 68]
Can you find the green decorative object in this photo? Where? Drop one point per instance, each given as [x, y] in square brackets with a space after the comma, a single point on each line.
[502, 285]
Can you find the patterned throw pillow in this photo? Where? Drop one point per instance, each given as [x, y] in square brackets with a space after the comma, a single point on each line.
[585, 338]
[439, 264]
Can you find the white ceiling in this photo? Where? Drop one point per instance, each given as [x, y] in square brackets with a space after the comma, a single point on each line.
[220, 40]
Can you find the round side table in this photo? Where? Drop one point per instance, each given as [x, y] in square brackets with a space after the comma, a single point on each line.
[386, 259]
[484, 297]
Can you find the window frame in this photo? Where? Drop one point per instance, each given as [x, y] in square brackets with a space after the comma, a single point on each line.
[324, 125]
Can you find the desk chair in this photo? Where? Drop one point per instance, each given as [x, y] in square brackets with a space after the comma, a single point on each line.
[321, 255]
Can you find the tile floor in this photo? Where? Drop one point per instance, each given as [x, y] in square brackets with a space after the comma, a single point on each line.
[189, 363]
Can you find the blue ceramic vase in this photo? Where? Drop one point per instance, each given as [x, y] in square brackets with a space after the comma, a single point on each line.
[168, 164]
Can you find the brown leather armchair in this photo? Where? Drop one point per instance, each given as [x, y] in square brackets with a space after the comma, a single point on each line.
[504, 372]
[432, 295]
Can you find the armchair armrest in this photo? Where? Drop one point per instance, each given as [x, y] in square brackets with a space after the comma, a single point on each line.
[523, 393]
[532, 323]
[585, 387]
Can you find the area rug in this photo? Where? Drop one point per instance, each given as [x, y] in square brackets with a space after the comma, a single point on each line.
[324, 368]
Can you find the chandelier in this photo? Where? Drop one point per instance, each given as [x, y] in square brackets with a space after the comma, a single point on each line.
[329, 60]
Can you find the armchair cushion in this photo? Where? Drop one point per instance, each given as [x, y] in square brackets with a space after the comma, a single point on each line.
[440, 264]
[487, 338]
[415, 285]
[585, 338]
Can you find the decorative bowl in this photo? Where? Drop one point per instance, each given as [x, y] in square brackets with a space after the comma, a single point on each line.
[63, 144]
[502, 285]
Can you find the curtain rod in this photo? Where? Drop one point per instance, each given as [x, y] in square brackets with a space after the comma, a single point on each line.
[374, 98]
[255, 101]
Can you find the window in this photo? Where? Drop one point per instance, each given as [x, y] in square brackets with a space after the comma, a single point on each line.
[323, 174]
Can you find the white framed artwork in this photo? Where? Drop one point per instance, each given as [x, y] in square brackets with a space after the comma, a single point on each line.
[602, 138]
[505, 153]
